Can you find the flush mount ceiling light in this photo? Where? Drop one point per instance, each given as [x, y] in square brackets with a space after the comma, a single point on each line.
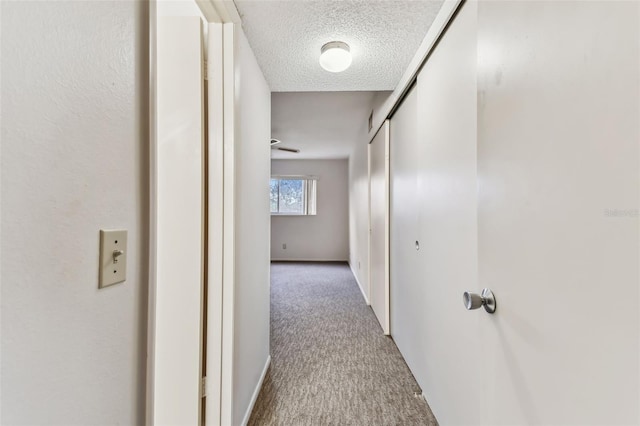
[335, 56]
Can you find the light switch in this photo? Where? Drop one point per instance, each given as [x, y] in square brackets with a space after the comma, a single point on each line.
[113, 257]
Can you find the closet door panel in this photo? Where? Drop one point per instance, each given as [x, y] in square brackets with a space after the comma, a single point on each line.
[434, 200]
[558, 164]
[404, 282]
[450, 372]
[176, 304]
[379, 217]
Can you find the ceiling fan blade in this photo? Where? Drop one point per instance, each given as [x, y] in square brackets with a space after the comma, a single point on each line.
[295, 151]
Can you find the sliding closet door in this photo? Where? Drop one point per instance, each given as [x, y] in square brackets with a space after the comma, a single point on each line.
[558, 166]
[379, 222]
[433, 233]
[403, 232]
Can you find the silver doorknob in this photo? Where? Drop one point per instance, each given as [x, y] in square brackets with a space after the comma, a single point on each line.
[474, 300]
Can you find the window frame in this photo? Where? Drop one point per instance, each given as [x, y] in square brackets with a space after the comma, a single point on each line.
[309, 195]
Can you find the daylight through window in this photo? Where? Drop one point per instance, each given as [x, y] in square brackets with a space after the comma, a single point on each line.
[293, 195]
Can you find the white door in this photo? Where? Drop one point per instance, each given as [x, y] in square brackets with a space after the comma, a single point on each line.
[403, 232]
[558, 164]
[379, 222]
[447, 192]
[433, 233]
[176, 300]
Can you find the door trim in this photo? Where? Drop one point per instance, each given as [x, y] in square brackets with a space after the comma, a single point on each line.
[215, 221]
[228, 207]
[210, 15]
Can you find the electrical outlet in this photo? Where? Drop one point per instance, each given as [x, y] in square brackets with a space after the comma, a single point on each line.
[113, 257]
[284, 246]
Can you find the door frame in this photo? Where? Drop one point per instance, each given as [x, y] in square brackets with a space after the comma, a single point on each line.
[178, 275]
[213, 14]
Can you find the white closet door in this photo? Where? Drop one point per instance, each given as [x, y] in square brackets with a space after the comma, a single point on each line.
[403, 232]
[447, 366]
[433, 158]
[379, 225]
[177, 312]
[558, 163]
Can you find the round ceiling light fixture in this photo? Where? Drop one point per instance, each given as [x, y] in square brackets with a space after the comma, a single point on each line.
[335, 56]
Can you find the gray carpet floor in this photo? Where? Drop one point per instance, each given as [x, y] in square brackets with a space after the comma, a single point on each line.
[330, 362]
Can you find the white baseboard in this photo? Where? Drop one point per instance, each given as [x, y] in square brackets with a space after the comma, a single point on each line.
[256, 392]
[366, 299]
[309, 260]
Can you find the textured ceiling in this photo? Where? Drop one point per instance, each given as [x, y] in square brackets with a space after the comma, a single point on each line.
[286, 37]
[319, 124]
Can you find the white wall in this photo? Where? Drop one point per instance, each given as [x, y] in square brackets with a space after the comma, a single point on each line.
[74, 160]
[300, 120]
[324, 236]
[359, 199]
[252, 173]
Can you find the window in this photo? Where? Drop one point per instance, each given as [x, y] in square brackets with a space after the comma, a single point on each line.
[293, 195]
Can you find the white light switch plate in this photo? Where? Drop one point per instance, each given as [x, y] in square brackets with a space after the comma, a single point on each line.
[113, 270]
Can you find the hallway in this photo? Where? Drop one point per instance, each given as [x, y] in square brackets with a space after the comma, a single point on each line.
[331, 364]
[463, 147]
